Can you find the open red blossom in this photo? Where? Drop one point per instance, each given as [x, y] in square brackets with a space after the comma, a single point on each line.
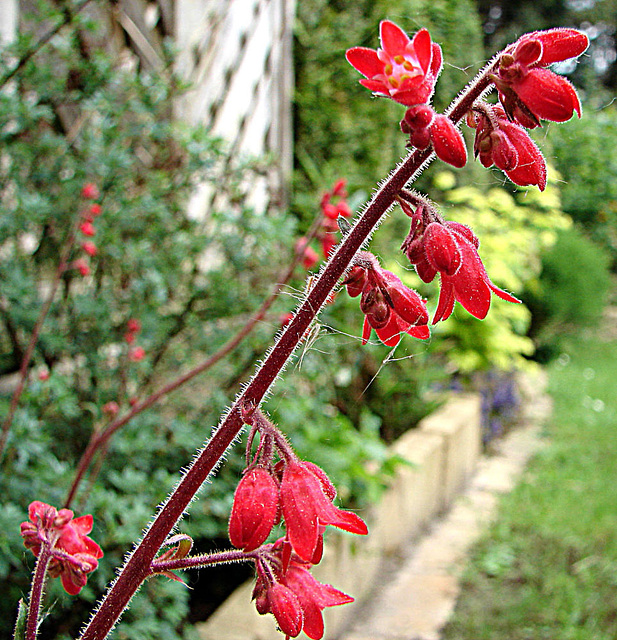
[307, 509]
[469, 284]
[403, 69]
[527, 90]
[74, 554]
[254, 509]
[508, 146]
[292, 594]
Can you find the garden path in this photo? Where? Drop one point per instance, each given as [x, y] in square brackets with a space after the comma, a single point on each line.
[418, 592]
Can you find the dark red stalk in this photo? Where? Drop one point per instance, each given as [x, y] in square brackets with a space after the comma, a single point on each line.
[138, 565]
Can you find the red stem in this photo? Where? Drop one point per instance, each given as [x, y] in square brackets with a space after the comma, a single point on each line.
[36, 592]
[99, 439]
[137, 568]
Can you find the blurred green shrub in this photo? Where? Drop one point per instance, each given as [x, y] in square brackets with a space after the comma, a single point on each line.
[571, 290]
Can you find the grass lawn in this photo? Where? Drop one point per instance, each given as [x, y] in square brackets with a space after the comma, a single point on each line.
[547, 570]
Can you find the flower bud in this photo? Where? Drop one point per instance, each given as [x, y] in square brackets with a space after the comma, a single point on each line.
[254, 509]
[441, 249]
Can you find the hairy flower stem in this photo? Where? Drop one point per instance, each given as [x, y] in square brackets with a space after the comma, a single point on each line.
[100, 439]
[36, 592]
[137, 568]
[206, 560]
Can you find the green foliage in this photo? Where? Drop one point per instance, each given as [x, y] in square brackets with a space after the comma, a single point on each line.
[571, 290]
[154, 263]
[588, 167]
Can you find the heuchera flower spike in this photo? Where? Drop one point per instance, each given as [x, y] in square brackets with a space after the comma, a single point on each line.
[507, 145]
[403, 69]
[527, 90]
[74, 554]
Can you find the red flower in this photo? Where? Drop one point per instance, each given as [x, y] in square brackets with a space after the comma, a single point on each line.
[313, 597]
[508, 146]
[87, 228]
[137, 354]
[254, 509]
[389, 306]
[468, 283]
[288, 590]
[82, 266]
[307, 508]
[111, 408]
[90, 248]
[133, 325]
[95, 210]
[527, 90]
[90, 191]
[309, 256]
[74, 554]
[403, 69]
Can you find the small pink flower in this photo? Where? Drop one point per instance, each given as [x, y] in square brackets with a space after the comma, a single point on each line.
[137, 354]
[254, 510]
[527, 90]
[44, 375]
[90, 191]
[74, 554]
[82, 266]
[90, 248]
[403, 69]
[95, 210]
[111, 408]
[87, 228]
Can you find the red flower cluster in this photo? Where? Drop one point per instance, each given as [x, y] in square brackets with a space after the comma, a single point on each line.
[298, 491]
[388, 305]
[286, 588]
[86, 227]
[450, 249]
[74, 554]
[301, 494]
[333, 204]
[406, 71]
[527, 90]
[507, 145]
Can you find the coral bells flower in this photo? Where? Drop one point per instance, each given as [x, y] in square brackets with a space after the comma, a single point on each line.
[254, 510]
[90, 248]
[293, 595]
[82, 266]
[389, 306]
[74, 554]
[306, 500]
[403, 69]
[424, 127]
[87, 228]
[506, 145]
[527, 90]
[309, 255]
[137, 354]
[90, 191]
